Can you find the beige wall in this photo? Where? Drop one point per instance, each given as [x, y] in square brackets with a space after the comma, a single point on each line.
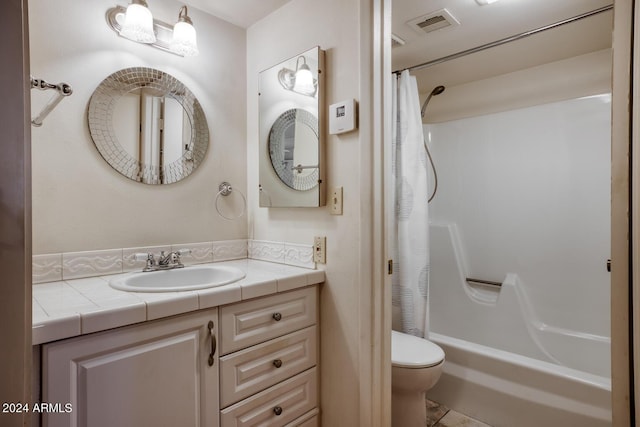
[79, 201]
[334, 26]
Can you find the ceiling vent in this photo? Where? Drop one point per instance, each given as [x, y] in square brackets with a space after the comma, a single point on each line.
[433, 21]
[396, 41]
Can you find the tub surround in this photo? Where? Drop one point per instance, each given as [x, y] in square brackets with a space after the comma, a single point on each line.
[64, 309]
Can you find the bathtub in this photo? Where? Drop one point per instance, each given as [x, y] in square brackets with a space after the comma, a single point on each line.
[504, 389]
[504, 365]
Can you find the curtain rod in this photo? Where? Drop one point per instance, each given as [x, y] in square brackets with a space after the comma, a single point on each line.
[505, 40]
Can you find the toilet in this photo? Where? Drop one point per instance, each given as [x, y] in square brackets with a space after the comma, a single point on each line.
[416, 365]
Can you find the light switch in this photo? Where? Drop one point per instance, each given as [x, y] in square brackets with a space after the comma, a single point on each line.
[336, 201]
[319, 249]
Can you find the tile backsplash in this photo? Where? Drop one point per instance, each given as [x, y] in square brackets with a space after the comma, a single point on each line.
[76, 265]
[282, 253]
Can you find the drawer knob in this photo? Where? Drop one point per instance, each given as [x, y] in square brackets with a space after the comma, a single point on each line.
[277, 317]
[277, 363]
[277, 410]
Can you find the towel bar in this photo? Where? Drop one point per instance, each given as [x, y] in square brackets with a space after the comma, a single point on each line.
[62, 90]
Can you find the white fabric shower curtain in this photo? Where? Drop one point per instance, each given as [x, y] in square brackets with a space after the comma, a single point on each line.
[410, 280]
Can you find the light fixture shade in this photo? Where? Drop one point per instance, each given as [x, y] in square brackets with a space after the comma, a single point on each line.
[304, 81]
[138, 24]
[184, 41]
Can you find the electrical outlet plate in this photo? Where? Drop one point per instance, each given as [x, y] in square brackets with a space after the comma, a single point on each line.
[335, 201]
[319, 249]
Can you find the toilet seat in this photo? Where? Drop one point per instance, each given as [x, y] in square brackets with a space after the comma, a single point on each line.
[408, 351]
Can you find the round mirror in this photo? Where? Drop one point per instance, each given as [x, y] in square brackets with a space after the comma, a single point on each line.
[148, 126]
[293, 149]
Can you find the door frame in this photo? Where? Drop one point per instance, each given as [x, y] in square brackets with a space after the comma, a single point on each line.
[15, 212]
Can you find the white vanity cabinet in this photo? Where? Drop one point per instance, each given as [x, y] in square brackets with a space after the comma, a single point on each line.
[250, 363]
[154, 374]
[269, 353]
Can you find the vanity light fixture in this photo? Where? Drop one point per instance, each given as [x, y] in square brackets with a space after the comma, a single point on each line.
[184, 40]
[301, 80]
[138, 23]
[179, 39]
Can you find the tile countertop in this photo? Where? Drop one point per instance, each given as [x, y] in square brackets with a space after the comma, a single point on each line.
[70, 308]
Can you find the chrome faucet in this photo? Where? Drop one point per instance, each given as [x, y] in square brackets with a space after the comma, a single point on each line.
[164, 262]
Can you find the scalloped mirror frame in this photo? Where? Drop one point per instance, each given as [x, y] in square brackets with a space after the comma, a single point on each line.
[101, 127]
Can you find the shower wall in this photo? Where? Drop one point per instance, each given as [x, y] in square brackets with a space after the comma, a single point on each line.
[528, 191]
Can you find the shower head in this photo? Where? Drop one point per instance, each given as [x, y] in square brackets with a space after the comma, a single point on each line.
[436, 91]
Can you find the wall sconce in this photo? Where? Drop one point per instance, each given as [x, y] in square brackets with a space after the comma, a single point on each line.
[136, 23]
[301, 80]
[184, 35]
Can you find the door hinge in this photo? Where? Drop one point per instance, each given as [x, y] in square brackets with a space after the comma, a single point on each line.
[390, 267]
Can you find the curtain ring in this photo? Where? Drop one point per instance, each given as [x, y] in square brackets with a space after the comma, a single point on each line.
[224, 190]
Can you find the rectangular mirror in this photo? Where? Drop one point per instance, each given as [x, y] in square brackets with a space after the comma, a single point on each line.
[291, 115]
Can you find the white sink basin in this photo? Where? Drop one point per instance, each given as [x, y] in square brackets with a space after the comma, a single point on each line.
[179, 279]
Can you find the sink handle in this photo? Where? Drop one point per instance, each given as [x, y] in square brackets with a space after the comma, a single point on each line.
[143, 256]
[151, 261]
[213, 342]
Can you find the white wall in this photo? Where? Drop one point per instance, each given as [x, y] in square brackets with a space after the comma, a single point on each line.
[79, 201]
[296, 27]
[582, 75]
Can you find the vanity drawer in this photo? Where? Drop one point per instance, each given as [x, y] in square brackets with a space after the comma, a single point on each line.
[254, 369]
[310, 419]
[251, 322]
[276, 406]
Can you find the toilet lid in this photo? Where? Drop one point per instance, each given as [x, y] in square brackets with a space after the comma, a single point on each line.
[408, 351]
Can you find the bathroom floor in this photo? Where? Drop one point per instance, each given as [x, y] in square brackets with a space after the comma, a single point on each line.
[440, 416]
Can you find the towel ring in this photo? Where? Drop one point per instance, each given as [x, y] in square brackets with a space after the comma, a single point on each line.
[224, 190]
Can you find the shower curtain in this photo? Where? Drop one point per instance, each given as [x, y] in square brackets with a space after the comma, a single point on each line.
[410, 280]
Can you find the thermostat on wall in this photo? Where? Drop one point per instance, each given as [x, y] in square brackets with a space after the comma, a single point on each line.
[342, 117]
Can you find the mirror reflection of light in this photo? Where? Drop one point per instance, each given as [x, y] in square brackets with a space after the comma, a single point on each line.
[304, 81]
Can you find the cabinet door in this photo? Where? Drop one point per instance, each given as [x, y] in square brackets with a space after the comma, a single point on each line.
[154, 374]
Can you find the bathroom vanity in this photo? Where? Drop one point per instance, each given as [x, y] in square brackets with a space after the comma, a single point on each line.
[252, 361]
